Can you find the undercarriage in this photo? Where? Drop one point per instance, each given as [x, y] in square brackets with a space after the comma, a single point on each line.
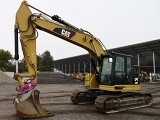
[110, 102]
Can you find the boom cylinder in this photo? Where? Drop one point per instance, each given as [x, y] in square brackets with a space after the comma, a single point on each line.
[16, 56]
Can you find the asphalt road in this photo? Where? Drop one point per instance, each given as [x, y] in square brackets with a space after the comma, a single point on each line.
[56, 99]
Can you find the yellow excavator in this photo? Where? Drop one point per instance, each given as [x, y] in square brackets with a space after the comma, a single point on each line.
[113, 87]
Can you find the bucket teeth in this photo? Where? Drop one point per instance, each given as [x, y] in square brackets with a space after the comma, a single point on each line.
[31, 108]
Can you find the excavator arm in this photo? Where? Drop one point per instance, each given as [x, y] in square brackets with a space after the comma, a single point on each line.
[27, 24]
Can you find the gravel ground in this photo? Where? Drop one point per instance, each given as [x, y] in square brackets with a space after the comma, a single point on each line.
[56, 99]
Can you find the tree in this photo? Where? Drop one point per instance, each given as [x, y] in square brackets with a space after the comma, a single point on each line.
[44, 63]
[5, 60]
[22, 66]
[39, 59]
[47, 62]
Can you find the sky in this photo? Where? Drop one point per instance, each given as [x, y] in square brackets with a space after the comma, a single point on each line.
[116, 23]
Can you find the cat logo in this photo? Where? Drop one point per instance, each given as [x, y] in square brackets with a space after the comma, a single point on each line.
[136, 80]
[64, 32]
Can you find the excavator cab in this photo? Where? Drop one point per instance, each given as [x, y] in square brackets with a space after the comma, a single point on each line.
[117, 69]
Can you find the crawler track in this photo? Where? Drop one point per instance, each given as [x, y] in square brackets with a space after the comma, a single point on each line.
[127, 101]
[82, 98]
[111, 102]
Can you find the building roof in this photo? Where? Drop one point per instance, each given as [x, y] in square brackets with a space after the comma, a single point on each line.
[144, 50]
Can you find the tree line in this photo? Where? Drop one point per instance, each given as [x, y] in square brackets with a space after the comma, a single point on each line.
[45, 62]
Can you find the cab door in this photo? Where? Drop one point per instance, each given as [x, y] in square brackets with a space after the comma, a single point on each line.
[123, 70]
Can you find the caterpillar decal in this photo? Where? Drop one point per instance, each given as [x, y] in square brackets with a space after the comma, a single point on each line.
[64, 32]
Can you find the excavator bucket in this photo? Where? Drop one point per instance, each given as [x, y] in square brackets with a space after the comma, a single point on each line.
[31, 108]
